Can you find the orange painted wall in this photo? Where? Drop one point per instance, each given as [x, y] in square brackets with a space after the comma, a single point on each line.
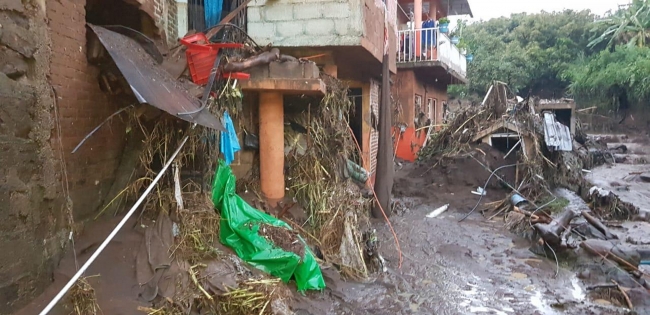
[408, 143]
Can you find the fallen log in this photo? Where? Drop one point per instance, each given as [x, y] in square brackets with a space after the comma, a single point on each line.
[551, 232]
[598, 225]
[534, 217]
[261, 59]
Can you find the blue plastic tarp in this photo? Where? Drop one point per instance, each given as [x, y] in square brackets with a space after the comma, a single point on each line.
[212, 10]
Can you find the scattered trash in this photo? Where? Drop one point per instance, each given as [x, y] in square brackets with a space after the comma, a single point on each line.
[479, 191]
[438, 211]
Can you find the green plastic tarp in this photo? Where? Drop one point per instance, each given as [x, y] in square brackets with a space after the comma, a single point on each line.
[237, 216]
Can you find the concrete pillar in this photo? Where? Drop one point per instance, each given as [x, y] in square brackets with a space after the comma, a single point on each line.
[272, 146]
[417, 11]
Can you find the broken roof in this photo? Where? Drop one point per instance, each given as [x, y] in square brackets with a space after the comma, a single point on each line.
[150, 83]
[457, 7]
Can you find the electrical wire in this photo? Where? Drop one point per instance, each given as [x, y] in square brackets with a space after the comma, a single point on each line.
[484, 187]
[390, 226]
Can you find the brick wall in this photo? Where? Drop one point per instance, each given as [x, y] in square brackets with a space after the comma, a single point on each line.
[166, 20]
[82, 106]
[172, 22]
[407, 85]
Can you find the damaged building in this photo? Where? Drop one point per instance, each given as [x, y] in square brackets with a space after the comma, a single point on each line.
[72, 71]
[428, 61]
[51, 100]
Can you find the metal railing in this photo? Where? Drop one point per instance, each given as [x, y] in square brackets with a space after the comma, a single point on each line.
[432, 46]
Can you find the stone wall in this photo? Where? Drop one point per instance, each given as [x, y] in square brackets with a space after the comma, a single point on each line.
[34, 225]
[50, 100]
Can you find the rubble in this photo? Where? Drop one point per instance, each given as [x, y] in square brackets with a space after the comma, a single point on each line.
[547, 157]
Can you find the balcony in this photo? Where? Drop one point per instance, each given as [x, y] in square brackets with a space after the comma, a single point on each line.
[435, 51]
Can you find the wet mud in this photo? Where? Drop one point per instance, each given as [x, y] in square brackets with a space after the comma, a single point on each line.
[448, 267]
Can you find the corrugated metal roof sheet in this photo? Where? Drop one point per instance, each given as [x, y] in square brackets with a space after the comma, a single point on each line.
[150, 83]
[556, 135]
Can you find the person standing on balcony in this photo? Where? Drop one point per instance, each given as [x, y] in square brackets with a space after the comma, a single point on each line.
[428, 36]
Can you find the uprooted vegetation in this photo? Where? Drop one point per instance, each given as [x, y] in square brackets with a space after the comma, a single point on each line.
[334, 205]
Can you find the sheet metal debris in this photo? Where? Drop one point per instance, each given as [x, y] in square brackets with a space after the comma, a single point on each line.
[150, 83]
[556, 135]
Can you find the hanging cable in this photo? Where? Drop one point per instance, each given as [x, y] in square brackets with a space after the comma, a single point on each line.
[484, 187]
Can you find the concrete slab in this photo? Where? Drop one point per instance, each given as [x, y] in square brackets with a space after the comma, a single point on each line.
[290, 77]
[286, 86]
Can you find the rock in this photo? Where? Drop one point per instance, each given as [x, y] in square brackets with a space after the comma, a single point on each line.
[12, 63]
[624, 255]
[645, 177]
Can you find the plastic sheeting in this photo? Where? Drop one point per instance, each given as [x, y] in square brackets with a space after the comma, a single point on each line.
[212, 9]
[229, 142]
[239, 230]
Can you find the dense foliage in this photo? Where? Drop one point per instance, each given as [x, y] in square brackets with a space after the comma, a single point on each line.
[562, 53]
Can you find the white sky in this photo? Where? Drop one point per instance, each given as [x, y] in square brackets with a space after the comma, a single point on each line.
[485, 9]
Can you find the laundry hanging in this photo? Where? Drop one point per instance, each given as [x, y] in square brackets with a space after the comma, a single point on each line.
[212, 9]
[229, 144]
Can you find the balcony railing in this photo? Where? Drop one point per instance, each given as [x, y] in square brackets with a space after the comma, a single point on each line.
[433, 46]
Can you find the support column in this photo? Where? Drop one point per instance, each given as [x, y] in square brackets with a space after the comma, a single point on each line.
[417, 19]
[272, 146]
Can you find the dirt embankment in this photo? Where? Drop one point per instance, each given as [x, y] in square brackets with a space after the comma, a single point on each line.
[451, 179]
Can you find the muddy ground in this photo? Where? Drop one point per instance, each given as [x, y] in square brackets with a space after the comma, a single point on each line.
[449, 267]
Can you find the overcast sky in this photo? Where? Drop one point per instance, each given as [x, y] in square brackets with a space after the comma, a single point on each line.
[486, 10]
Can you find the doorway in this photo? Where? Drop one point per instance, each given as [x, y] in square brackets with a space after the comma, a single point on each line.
[355, 118]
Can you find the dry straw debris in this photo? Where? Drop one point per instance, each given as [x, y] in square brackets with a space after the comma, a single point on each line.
[82, 298]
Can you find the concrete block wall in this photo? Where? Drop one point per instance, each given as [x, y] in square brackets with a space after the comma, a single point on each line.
[306, 23]
[166, 19]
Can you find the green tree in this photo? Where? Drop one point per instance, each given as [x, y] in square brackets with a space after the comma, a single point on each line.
[593, 79]
[529, 52]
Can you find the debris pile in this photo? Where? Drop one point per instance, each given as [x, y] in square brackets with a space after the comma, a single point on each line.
[544, 160]
[179, 275]
[319, 178]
